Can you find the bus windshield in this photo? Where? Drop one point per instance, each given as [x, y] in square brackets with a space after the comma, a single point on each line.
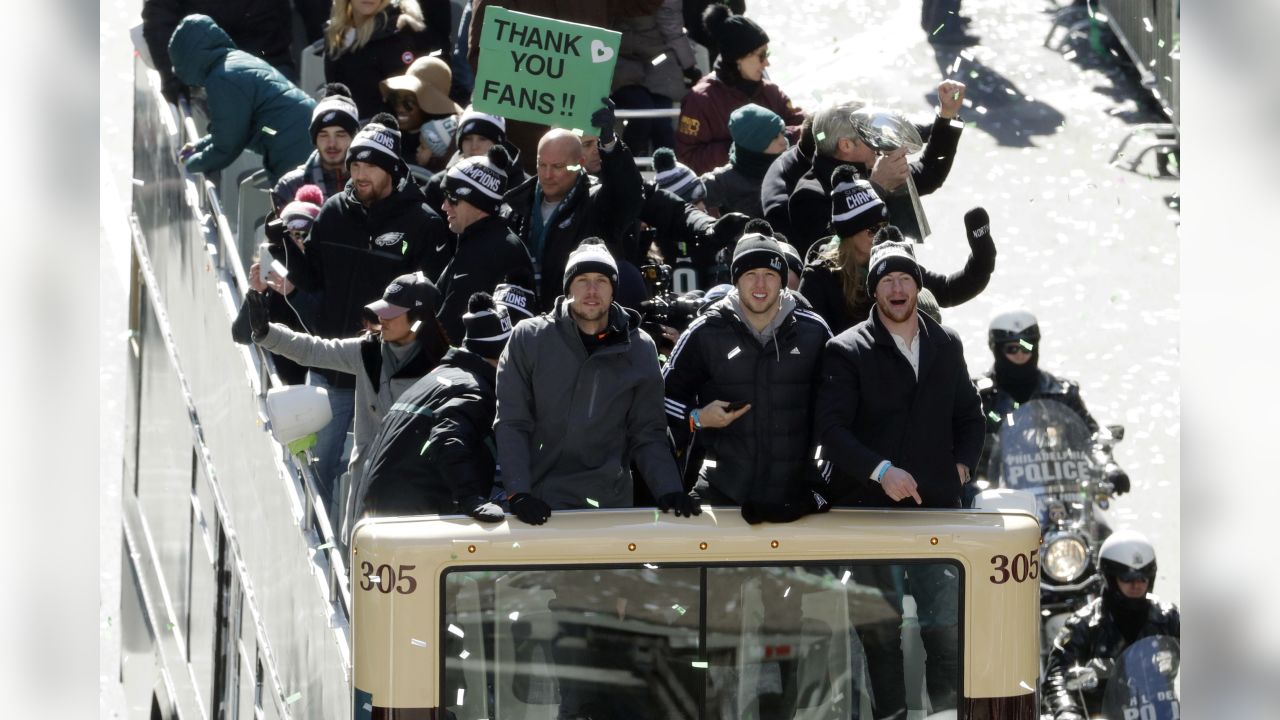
[700, 641]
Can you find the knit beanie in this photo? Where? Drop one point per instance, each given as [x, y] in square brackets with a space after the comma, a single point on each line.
[676, 177]
[794, 262]
[855, 206]
[928, 304]
[520, 302]
[302, 212]
[753, 127]
[474, 122]
[378, 143]
[736, 35]
[336, 108]
[591, 255]
[757, 251]
[480, 180]
[488, 326]
[891, 253]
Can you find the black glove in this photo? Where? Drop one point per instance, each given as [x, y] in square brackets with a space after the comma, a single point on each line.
[530, 509]
[173, 88]
[604, 120]
[1118, 478]
[807, 502]
[482, 510]
[692, 75]
[726, 230]
[258, 314]
[977, 225]
[681, 503]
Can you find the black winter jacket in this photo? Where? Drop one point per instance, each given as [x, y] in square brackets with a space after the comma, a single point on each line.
[998, 403]
[607, 210]
[821, 286]
[262, 28]
[1092, 633]
[766, 451]
[779, 180]
[354, 252]
[871, 408]
[389, 52]
[487, 252]
[434, 452]
[809, 206]
[682, 229]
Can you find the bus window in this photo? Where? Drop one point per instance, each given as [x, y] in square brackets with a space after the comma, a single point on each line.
[794, 641]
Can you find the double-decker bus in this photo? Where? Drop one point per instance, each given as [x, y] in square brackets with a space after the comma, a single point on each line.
[236, 602]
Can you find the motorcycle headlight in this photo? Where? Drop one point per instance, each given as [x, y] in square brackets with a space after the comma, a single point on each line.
[1065, 558]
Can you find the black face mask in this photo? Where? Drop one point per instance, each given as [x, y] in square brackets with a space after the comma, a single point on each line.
[1020, 381]
[1130, 614]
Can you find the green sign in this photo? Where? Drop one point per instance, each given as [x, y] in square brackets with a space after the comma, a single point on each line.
[542, 70]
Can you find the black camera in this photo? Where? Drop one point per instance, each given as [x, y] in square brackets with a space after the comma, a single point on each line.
[665, 307]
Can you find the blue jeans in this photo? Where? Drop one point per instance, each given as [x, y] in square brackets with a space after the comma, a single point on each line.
[331, 462]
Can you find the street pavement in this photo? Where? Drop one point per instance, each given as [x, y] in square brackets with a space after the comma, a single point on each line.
[1090, 249]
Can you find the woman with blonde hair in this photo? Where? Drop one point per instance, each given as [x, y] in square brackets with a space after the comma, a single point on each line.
[368, 41]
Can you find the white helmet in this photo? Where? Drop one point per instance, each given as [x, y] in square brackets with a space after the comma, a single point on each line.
[1128, 555]
[1011, 327]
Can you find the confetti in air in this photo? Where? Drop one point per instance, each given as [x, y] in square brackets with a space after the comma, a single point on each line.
[845, 580]
[514, 616]
[456, 630]
[293, 698]
[593, 503]
[700, 664]
[418, 643]
[679, 610]
[659, 60]
[267, 130]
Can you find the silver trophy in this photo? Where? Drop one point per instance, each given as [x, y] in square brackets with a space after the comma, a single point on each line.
[888, 130]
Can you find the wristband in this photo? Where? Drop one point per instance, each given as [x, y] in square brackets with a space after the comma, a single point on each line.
[695, 423]
[884, 468]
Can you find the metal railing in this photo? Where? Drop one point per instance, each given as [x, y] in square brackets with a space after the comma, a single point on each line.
[1148, 31]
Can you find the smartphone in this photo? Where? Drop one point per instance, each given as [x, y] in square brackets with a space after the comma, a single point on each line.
[736, 405]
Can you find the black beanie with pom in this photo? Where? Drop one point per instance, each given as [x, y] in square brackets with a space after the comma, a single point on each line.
[891, 252]
[335, 108]
[481, 180]
[488, 326]
[737, 35]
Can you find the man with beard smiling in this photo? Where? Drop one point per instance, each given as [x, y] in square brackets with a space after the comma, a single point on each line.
[580, 400]
[902, 425]
[896, 413]
[742, 378]
[376, 229]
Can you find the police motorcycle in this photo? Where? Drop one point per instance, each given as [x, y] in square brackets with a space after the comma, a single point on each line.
[1045, 449]
[1141, 684]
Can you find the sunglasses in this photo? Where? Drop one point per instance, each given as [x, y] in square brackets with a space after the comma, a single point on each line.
[1016, 348]
[763, 54]
[450, 198]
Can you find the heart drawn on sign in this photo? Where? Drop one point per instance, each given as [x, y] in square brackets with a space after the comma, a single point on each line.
[600, 52]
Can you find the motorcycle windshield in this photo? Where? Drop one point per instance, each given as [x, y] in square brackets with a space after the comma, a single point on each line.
[1142, 682]
[1045, 448]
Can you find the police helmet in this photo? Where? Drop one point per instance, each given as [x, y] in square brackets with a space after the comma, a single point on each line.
[1011, 327]
[1128, 555]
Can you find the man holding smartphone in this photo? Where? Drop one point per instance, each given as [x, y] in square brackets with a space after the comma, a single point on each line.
[741, 381]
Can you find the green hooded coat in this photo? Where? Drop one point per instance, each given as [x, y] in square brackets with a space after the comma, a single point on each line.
[251, 105]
